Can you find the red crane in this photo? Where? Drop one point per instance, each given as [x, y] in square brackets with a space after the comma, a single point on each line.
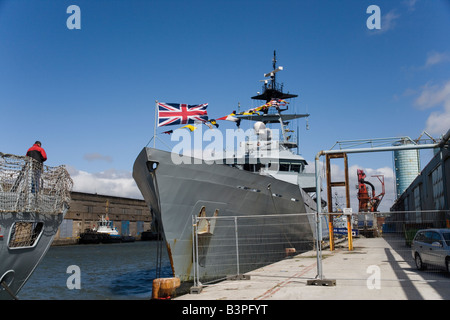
[367, 202]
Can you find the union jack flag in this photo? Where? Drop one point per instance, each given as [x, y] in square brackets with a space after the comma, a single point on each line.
[178, 113]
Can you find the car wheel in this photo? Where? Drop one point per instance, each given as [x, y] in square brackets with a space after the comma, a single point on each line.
[419, 263]
[447, 264]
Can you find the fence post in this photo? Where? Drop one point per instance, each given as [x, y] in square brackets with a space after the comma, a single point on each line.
[318, 219]
[196, 250]
[197, 288]
[319, 278]
[237, 244]
[193, 249]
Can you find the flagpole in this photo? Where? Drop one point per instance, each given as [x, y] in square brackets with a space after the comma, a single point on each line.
[154, 129]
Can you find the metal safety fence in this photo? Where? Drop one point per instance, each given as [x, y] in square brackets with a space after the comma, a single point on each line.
[400, 225]
[409, 248]
[225, 247]
[415, 235]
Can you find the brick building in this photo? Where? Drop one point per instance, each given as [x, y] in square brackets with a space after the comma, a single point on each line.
[130, 216]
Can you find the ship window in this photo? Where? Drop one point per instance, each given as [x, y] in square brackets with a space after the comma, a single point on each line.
[290, 167]
[25, 234]
[284, 166]
[252, 167]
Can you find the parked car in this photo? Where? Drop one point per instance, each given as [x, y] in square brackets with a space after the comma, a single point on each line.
[432, 247]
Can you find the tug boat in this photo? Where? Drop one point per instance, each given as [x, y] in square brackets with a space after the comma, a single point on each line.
[104, 233]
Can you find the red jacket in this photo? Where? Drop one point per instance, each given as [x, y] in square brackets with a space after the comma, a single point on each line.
[37, 153]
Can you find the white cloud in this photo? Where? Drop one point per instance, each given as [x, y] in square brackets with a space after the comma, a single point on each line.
[388, 22]
[436, 96]
[436, 58]
[410, 4]
[111, 182]
[438, 123]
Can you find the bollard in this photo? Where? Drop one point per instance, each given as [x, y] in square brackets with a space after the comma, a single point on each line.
[164, 288]
[290, 252]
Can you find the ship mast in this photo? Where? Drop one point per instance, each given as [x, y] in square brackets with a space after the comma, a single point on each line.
[274, 91]
[274, 66]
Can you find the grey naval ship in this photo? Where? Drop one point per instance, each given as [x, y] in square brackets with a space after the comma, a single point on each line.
[266, 179]
[34, 199]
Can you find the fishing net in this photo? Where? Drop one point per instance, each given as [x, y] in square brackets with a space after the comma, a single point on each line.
[29, 186]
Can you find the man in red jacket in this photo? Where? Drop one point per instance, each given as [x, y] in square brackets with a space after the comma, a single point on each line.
[37, 152]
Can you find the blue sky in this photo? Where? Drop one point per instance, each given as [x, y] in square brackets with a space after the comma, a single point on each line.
[89, 94]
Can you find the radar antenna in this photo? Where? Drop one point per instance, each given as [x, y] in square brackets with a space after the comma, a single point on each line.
[273, 91]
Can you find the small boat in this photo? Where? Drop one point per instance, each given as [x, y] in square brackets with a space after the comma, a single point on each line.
[106, 229]
[128, 238]
[104, 233]
[89, 236]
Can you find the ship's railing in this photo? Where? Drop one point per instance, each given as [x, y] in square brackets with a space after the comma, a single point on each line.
[29, 186]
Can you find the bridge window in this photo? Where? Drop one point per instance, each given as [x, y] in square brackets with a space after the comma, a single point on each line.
[290, 166]
[252, 167]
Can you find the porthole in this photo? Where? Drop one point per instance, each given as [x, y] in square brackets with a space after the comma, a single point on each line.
[152, 165]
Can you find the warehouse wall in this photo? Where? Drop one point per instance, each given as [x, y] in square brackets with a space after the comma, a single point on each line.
[130, 216]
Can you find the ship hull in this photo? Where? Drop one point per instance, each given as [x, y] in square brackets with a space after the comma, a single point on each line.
[19, 256]
[177, 192]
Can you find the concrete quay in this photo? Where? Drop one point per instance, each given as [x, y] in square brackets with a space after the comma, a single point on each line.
[377, 269]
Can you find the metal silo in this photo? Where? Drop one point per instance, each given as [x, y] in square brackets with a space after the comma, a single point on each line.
[407, 166]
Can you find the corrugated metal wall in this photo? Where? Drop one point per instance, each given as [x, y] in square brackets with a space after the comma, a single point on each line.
[66, 229]
[125, 230]
[139, 227]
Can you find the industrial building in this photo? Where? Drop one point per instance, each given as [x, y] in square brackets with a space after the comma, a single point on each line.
[407, 165]
[428, 191]
[130, 216]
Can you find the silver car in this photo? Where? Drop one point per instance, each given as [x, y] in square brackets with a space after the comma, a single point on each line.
[432, 247]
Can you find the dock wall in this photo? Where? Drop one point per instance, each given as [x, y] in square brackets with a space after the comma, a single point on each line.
[130, 216]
